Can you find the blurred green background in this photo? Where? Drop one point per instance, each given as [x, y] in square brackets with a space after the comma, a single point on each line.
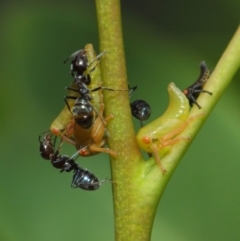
[164, 41]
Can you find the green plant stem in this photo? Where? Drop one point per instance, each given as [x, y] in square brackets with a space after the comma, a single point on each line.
[222, 75]
[131, 222]
[139, 184]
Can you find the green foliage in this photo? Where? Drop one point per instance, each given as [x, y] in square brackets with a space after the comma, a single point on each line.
[163, 43]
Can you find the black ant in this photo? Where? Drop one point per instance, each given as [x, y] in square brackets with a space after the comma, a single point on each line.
[87, 129]
[83, 109]
[140, 110]
[47, 152]
[86, 180]
[194, 90]
[46, 146]
[79, 65]
[82, 178]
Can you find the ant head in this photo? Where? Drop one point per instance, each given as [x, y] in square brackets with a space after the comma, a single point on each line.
[79, 61]
[46, 147]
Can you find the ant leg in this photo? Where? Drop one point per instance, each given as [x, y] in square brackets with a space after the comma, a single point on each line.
[76, 155]
[106, 180]
[69, 98]
[110, 89]
[192, 98]
[100, 114]
[101, 108]
[73, 89]
[203, 91]
[96, 58]
[131, 90]
[101, 103]
[73, 55]
[103, 88]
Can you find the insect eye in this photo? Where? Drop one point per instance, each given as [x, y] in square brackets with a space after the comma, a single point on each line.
[146, 139]
[83, 152]
[55, 131]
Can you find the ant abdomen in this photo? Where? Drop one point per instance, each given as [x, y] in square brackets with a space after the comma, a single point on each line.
[141, 110]
[86, 180]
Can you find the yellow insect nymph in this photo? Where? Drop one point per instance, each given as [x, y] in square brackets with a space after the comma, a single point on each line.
[158, 136]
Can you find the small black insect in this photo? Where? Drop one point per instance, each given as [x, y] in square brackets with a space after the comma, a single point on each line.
[58, 161]
[82, 178]
[46, 146]
[80, 64]
[86, 180]
[194, 90]
[140, 110]
[83, 111]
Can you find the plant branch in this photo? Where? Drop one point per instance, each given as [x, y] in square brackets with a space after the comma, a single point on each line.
[222, 75]
[131, 222]
[140, 184]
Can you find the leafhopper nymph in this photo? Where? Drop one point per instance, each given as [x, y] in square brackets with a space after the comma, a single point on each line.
[158, 136]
